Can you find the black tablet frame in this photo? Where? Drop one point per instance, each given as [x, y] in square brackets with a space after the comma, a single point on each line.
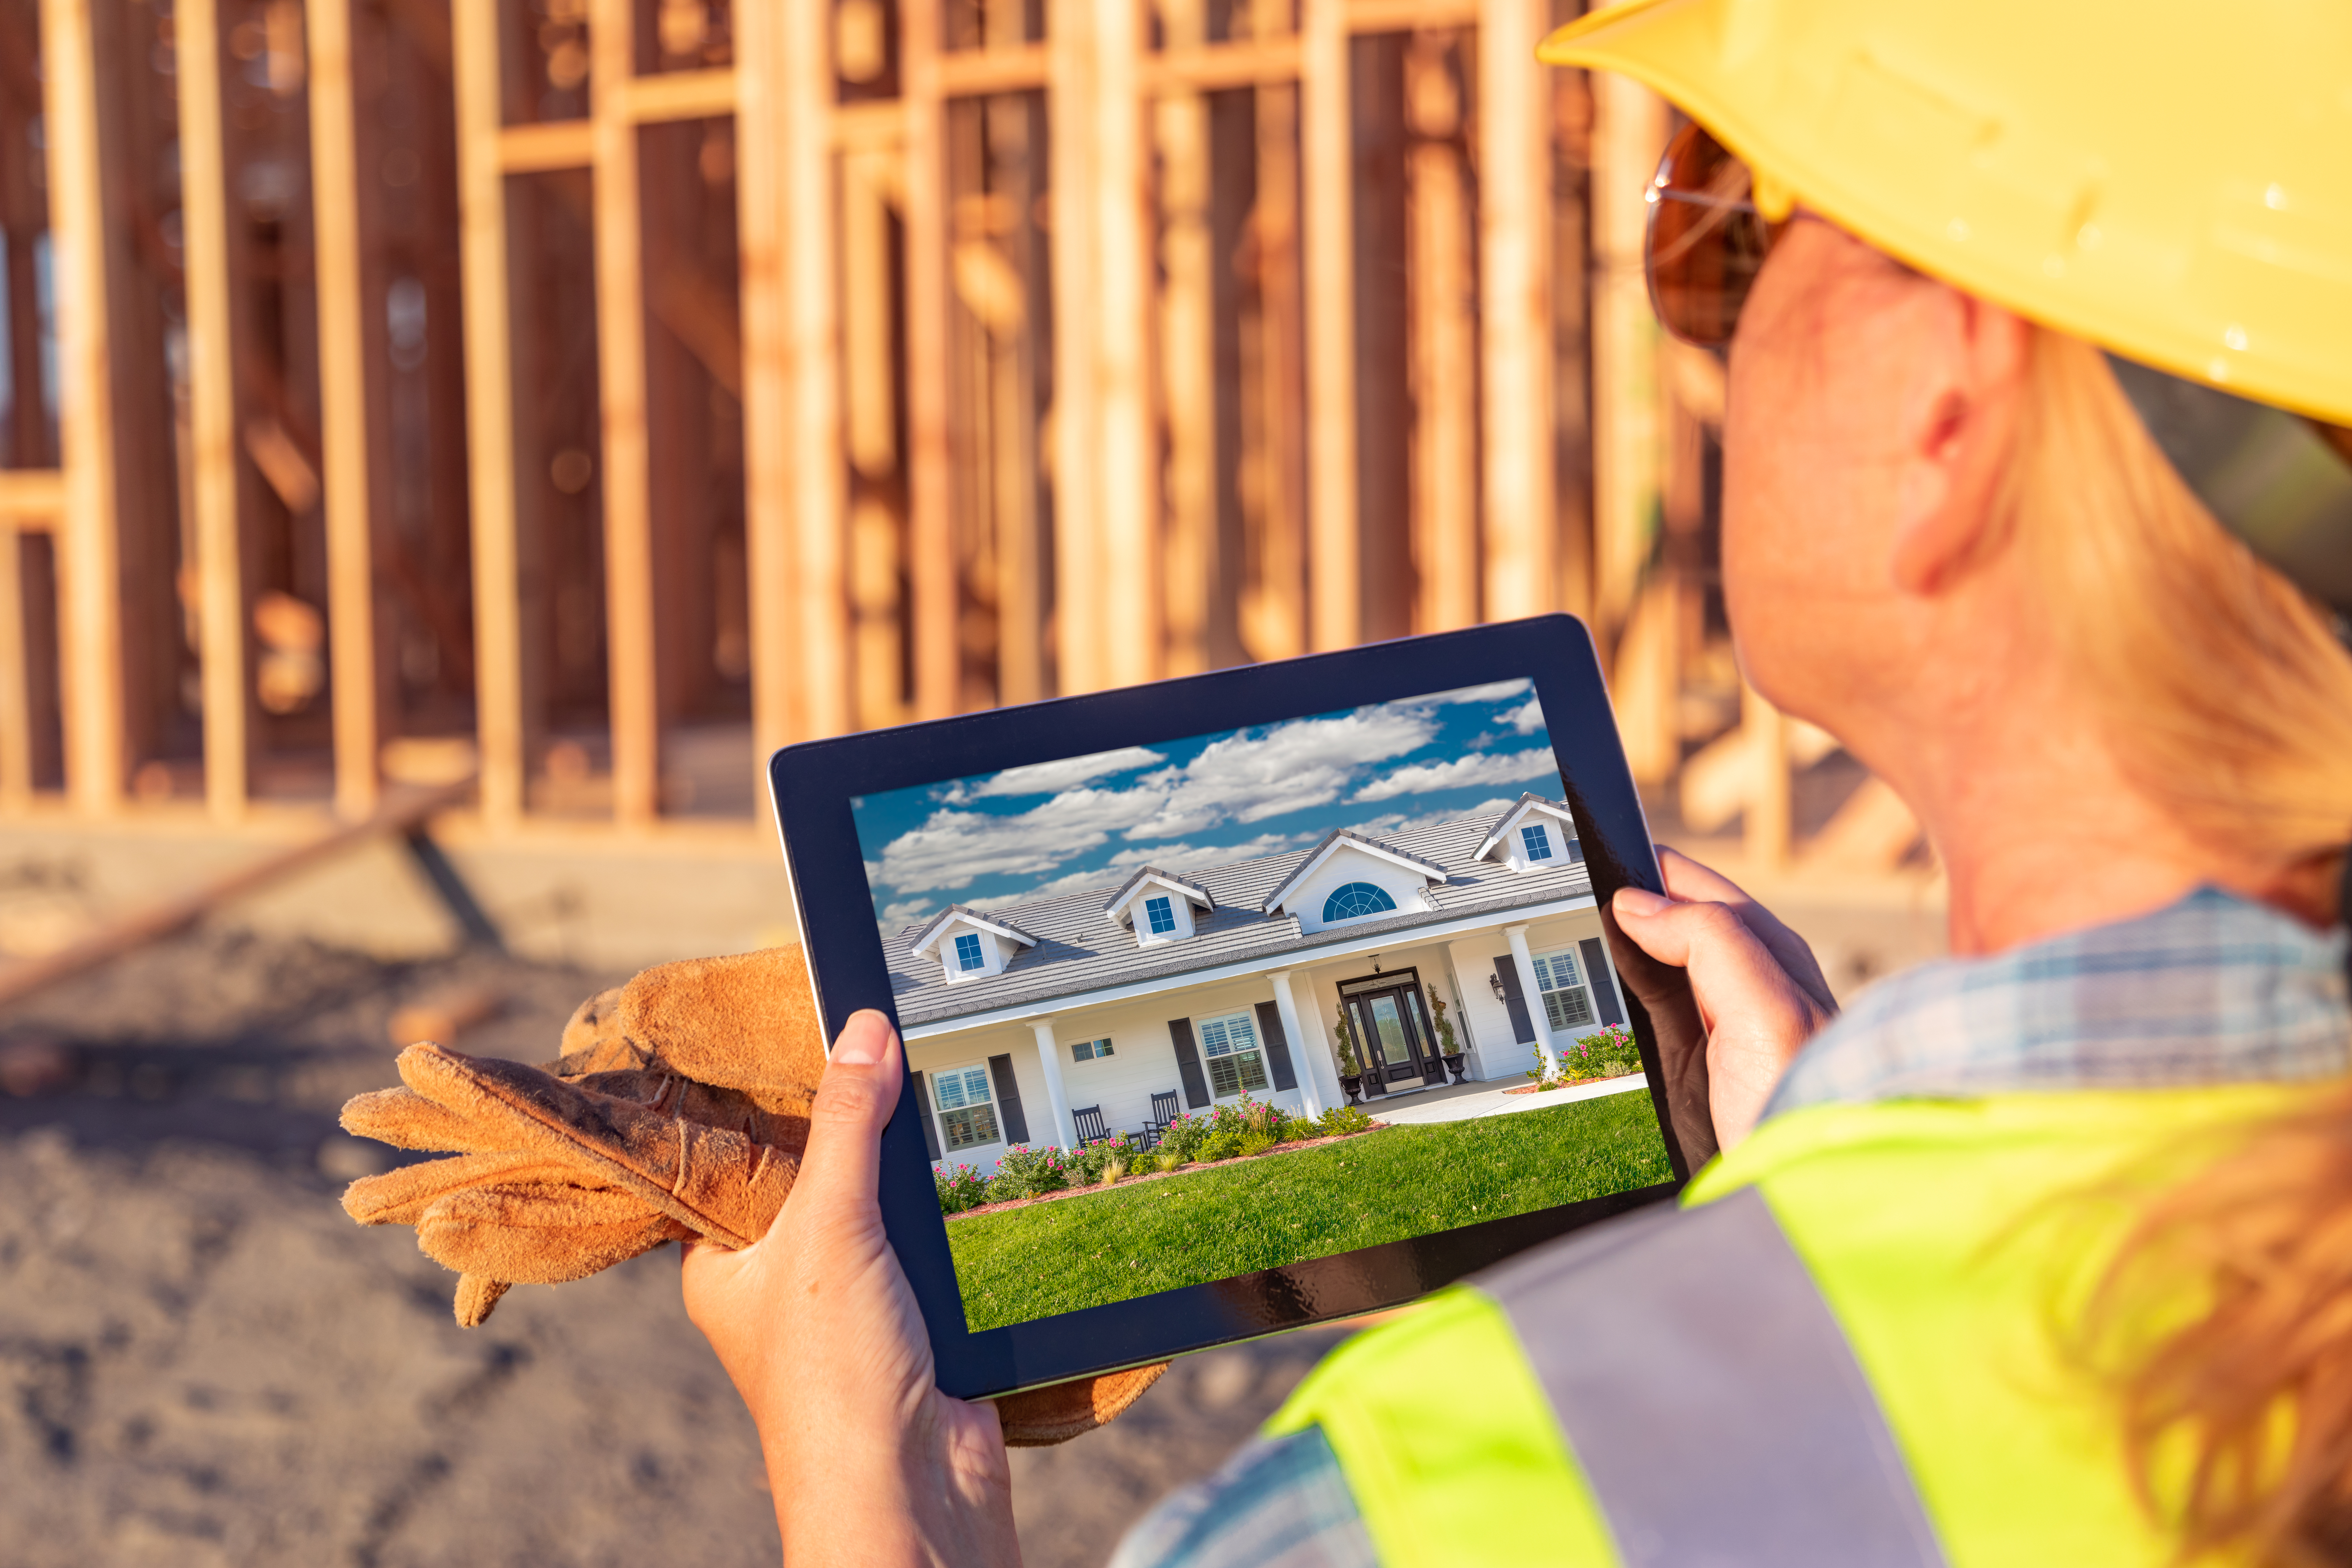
[812, 786]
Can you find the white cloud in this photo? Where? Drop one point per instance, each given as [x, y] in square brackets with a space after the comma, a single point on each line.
[1525, 720]
[1493, 692]
[1052, 778]
[1248, 778]
[953, 846]
[1243, 777]
[1487, 768]
[898, 917]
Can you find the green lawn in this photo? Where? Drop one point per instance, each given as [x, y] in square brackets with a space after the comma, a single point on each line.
[1135, 1238]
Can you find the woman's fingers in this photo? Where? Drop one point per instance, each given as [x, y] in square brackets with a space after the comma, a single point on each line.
[1689, 882]
[1757, 1015]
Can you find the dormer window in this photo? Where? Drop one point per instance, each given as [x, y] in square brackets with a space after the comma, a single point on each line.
[1533, 834]
[969, 945]
[1355, 900]
[1158, 906]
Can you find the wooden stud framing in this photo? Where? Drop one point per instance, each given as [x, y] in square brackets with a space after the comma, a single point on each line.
[1187, 351]
[632, 693]
[808, 582]
[1515, 317]
[344, 382]
[762, 240]
[1079, 610]
[88, 612]
[933, 565]
[15, 695]
[1127, 511]
[1628, 133]
[489, 415]
[1335, 608]
[212, 414]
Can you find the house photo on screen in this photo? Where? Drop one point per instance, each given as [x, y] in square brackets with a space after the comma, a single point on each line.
[1386, 907]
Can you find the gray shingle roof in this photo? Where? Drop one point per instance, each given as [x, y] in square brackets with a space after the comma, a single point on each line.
[1079, 950]
[917, 935]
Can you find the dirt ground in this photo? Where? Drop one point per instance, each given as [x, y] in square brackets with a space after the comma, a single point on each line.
[203, 1362]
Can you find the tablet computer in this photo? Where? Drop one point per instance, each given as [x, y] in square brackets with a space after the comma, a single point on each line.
[1238, 1002]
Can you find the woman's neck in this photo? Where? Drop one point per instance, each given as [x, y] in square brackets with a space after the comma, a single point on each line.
[2038, 829]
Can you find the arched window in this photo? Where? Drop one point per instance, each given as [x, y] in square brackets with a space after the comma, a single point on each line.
[1355, 900]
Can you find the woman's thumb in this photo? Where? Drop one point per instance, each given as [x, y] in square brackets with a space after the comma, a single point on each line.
[854, 1102]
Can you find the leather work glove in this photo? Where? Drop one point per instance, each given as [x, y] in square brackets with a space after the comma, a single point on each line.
[678, 1110]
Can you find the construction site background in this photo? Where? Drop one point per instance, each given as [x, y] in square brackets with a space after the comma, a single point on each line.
[446, 445]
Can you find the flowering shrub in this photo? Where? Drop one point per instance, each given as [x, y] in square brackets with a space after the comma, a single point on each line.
[1245, 1116]
[960, 1189]
[1181, 1137]
[1610, 1053]
[1087, 1166]
[1024, 1172]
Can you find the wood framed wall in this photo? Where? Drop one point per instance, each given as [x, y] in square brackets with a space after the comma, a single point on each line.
[610, 373]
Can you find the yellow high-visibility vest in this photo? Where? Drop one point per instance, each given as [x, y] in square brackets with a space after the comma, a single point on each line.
[1848, 1345]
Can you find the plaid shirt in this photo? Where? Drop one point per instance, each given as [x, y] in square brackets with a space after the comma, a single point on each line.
[2212, 989]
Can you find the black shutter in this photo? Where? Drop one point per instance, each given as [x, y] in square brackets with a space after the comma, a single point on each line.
[1277, 1048]
[1522, 1027]
[1188, 1063]
[931, 1128]
[1008, 1099]
[1596, 980]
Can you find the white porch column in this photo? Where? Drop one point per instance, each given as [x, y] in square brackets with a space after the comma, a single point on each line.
[1318, 1078]
[1534, 995]
[1057, 1099]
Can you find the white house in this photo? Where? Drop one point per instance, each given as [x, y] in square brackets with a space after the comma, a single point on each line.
[1179, 991]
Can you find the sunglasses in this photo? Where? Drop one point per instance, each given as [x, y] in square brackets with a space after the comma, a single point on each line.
[1706, 240]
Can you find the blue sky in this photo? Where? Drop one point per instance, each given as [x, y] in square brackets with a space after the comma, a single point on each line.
[1058, 827]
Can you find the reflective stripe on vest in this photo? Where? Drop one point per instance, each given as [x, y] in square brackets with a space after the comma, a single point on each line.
[1710, 1397]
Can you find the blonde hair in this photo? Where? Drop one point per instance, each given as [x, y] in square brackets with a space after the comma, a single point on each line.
[2228, 695]
[2228, 698]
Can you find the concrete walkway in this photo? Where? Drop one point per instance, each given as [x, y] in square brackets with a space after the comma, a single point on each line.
[1493, 1100]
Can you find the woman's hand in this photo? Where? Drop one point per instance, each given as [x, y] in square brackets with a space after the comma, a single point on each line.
[869, 1462]
[1759, 990]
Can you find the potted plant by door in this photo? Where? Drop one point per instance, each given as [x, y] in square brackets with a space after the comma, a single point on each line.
[1351, 1072]
[1448, 1048]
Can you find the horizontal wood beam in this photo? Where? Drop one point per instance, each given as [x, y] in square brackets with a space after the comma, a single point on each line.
[674, 95]
[874, 126]
[1213, 67]
[557, 144]
[1409, 16]
[980, 73]
[32, 499]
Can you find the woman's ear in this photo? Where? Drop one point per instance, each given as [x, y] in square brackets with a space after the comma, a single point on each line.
[1957, 437]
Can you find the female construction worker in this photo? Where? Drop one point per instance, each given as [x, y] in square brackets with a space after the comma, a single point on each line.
[2041, 1255]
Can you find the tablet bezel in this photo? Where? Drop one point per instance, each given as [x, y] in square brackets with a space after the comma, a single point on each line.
[812, 783]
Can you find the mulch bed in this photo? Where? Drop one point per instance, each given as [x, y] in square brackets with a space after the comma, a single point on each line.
[1571, 1083]
[1192, 1169]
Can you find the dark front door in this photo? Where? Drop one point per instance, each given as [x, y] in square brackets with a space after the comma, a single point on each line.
[1392, 1030]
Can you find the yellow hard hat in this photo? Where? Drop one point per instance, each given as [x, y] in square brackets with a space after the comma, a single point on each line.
[2171, 181]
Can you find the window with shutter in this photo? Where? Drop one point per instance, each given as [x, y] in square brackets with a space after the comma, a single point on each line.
[1566, 1004]
[1236, 1061]
[967, 1114]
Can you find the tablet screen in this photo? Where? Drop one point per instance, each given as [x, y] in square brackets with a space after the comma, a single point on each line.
[1184, 1011]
